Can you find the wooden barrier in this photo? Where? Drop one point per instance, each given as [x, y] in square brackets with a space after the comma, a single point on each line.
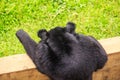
[20, 67]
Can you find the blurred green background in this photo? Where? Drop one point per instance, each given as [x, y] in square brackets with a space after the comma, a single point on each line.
[99, 18]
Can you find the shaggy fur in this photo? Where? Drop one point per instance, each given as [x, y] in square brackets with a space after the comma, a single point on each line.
[62, 54]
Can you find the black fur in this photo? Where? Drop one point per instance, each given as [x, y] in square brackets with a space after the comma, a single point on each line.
[63, 54]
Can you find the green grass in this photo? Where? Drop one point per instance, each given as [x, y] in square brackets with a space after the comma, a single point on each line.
[99, 18]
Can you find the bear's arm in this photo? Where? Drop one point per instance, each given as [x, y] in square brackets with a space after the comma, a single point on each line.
[102, 56]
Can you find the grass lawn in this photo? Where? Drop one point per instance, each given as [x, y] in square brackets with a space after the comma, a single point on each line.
[99, 18]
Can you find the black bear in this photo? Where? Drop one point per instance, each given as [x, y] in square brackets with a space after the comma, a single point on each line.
[62, 54]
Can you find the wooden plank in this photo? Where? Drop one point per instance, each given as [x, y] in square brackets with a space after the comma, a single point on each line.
[28, 74]
[111, 45]
[20, 67]
[15, 63]
[111, 71]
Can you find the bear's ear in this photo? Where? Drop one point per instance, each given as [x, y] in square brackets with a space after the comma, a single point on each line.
[70, 27]
[43, 34]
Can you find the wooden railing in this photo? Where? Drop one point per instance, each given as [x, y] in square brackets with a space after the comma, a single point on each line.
[20, 67]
